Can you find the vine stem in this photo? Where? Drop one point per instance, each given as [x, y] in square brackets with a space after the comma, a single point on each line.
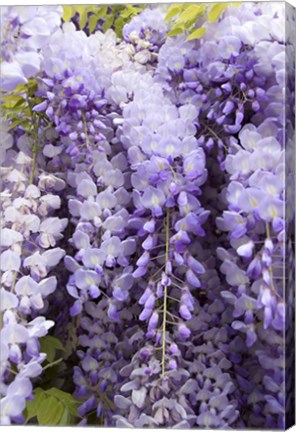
[85, 129]
[268, 235]
[174, 173]
[35, 150]
[165, 293]
[54, 363]
[215, 135]
[13, 282]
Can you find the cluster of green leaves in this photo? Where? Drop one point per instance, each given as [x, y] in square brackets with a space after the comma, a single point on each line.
[52, 407]
[16, 105]
[17, 108]
[112, 16]
[185, 16]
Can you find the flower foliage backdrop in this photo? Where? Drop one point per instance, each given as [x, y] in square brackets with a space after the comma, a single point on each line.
[147, 230]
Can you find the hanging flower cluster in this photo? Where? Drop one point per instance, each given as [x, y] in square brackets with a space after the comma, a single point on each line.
[30, 236]
[145, 227]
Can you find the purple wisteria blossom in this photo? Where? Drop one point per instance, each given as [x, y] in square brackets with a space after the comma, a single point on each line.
[147, 197]
[24, 30]
[29, 235]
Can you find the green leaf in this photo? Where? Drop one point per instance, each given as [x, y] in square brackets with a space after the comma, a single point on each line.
[134, 10]
[83, 19]
[21, 88]
[50, 345]
[68, 12]
[125, 14]
[175, 31]
[173, 11]
[14, 105]
[100, 12]
[119, 23]
[189, 24]
[67, 398]
[108, 23]
[50, 412]
[33, 407]
[11, 98]
[52, 407]
[66, 418]
[32, 87]
[197, 34]
[19, 103]
[80, 9]
[92, 23]
[191, 13]
[17, 122]
[216, 11]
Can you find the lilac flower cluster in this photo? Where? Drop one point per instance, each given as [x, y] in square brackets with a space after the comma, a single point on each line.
[232, 74]
[30, 235]
[24, 30]
[145, 218]
[146, 32]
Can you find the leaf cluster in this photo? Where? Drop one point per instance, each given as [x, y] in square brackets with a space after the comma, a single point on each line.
[114, 17]
[52, 407]
[185, 16]
[16, 105]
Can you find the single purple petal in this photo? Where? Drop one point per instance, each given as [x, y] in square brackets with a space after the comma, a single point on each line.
[15, 333]
[10, 261]
[26, 286]
[251, 337]
[149, 242]
[10, 237]
[153, 322]
[37, 301]
[112, 312]
[184, 312]
[94, 292]
[120, 294]
[150, 302]
[8, 300]
[145, 296]
[192, 279]
[139, 272]
[40, 107]
[81, 240]
[20, 387]
[12, 405]
[76, 309]
[48, 286]
[143, 260]
[145, 314]
[149, 226]
[183, 331]
[195, 265]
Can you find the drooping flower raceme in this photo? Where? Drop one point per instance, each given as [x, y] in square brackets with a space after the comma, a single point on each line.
[98, 200]
[256, 232]
[145, 214]
[169, 171]
[30, 235]
[235, 85]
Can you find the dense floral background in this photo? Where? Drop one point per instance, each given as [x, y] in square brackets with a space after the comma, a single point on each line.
[147, 248]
